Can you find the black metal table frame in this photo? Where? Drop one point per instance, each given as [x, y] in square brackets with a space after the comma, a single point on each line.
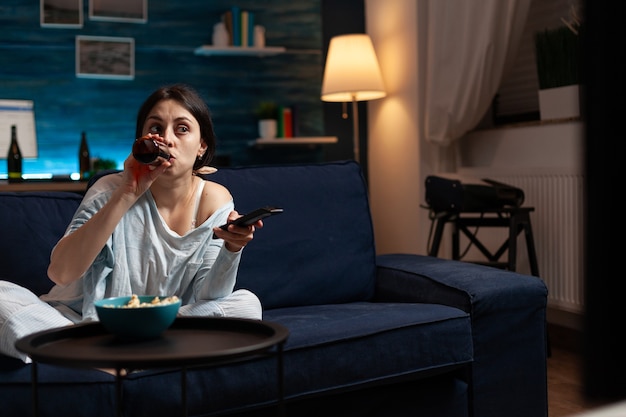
[516, 219]
[274, 347]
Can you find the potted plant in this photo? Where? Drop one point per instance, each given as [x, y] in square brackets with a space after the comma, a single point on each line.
[557, 52]
[267, 114]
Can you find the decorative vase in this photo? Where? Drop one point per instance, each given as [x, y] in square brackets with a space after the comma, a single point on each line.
[267, 128]
[220, 35]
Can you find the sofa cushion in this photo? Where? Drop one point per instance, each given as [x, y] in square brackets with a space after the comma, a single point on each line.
[347, 344]
[321, 249]
[331, 348]
[31, 224]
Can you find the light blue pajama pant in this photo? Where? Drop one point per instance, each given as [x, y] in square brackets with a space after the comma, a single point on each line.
[23, 313]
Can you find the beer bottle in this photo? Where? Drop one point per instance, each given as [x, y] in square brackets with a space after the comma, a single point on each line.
[14, 158]
[84, 160]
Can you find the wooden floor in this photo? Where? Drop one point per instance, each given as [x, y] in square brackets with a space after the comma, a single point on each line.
[565, 388]
[565, 396]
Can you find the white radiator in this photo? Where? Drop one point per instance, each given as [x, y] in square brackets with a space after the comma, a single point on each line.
[558, 229]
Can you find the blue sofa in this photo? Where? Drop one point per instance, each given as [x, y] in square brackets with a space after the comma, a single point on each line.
[370, 335]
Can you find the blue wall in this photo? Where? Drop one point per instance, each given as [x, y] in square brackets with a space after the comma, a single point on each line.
[38, 63]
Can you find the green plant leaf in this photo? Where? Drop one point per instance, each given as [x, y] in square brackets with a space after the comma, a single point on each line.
[557, 55]
[267, 110]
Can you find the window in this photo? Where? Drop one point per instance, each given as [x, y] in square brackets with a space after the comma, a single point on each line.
[517, 99]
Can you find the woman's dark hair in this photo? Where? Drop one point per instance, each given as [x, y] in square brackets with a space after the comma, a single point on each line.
[190, 100]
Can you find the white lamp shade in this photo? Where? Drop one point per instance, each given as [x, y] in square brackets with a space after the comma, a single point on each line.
[352, 71]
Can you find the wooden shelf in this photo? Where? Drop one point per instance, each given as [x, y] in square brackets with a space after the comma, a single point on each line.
[208, 50]
[313, 140]
[70, 186]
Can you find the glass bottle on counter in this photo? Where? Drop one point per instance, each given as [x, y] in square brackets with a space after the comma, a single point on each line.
[84, 160]
[14, 158]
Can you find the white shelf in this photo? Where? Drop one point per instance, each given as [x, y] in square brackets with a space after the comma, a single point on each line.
[239, 50]
[313, 140]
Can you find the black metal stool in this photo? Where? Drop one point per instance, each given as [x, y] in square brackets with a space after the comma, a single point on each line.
[516, 219]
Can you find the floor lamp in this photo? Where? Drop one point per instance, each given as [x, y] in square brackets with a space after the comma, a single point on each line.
[352, 74]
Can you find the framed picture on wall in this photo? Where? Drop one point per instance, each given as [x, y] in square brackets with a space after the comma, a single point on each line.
[133, 11]
[61, 13]
[105, 57]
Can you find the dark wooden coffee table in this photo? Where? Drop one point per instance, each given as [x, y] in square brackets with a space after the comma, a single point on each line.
[189, 342]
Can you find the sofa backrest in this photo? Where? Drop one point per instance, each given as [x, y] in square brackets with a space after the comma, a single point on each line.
[320, 250]
[31, 224]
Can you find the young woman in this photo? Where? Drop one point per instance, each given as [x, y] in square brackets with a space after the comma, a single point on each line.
[148, 230]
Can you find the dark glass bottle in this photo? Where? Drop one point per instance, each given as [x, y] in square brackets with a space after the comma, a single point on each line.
[148, 151]
[14, 158]
[84, 160]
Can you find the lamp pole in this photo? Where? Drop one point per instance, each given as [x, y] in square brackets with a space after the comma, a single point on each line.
[355, 128]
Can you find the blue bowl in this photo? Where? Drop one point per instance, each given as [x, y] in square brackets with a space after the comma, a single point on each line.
[136, 323]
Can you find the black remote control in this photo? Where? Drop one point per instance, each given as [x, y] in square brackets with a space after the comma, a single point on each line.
[253, 217]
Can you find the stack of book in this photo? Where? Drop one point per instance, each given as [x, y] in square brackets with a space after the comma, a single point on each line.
[240, 26]
[286, 126]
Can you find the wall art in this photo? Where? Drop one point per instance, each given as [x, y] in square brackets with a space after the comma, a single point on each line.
[105, 57]
[133, 11]
[61, 13]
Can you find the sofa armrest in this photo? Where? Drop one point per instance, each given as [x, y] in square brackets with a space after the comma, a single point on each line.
[470, 287]
[508, 317]
[400, 278]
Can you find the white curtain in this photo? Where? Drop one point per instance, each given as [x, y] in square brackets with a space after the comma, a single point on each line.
[469, 44]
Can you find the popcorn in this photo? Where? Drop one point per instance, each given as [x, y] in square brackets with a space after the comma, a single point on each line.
[155, 302]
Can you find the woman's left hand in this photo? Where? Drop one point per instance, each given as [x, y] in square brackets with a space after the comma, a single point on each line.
[236, 237]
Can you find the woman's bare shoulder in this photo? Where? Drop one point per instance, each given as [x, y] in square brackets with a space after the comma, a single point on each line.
[214, 196]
